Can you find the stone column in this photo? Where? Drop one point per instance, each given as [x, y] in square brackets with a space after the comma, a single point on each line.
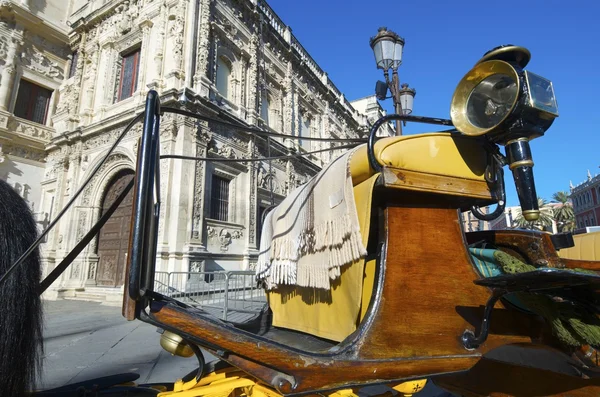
[253, 80]
[203, 138]
[90, 72]
[176, 36]
[159, 50]
[252, 183]
[201, 77]
[8, 73]
[288, 104]
[145, 27]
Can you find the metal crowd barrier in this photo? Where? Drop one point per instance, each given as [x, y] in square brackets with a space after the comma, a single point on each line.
[231, 295]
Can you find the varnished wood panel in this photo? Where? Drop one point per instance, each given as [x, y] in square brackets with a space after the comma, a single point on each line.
[430, 298]
[301, 371]
[534, 247]
[491, 378]
[441, 184]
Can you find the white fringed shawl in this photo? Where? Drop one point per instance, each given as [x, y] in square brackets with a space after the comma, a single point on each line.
[313, 232]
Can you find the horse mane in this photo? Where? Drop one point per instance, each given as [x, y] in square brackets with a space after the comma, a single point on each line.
[20, 304]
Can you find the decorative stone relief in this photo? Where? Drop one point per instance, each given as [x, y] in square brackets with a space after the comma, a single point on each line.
[225, 239]
[176, 32]
[211, 232]
[160, 43]
[29, 130]
[23, 152]
[87, 192]
[203, 138]
[253, 75]
[197, 266]
[34, 58]
[76, 270]
[204, 41]
[92, 271]
[268, 180]
[82, 226]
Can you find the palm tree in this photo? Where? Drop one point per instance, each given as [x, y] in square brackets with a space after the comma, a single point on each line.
[542, 223]
[564, 214]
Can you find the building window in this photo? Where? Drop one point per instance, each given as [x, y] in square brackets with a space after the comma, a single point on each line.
[32, 102]
[219, 198]
[73, 67]
[223, 76]
[128, 75]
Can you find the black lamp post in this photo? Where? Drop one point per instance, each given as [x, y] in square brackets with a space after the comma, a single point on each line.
[387, 47]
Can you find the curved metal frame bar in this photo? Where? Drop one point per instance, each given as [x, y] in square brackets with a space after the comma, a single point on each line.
[147, 200]
[403, 117]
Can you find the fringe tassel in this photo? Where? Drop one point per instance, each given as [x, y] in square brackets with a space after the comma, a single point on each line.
[323, 251]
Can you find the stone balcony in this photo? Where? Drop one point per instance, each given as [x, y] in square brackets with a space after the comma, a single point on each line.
[23, 138]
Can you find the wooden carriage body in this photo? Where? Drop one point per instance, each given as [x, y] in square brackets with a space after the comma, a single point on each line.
[415, 310]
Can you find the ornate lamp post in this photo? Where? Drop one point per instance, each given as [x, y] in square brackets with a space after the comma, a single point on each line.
[387, 47]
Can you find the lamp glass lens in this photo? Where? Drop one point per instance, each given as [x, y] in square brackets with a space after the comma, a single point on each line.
[491, 100]
[541, 93]
[387, 49]
[406, 101]
[398, 54]
[378, 54]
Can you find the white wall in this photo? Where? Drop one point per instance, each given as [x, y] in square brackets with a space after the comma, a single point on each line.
[25, 177]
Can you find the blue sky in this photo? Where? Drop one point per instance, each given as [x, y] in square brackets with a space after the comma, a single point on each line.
[443, 41]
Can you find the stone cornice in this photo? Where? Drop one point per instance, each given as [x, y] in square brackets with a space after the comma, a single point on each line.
[32, 22]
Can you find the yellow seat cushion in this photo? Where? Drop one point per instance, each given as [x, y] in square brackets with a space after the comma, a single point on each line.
[438, 153]
[332, 314]
[587, 247]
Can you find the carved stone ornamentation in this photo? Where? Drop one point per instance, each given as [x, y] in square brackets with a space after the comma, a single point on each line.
[82, 226]
[92, 271]
[204, 40]
[211, 232]
[160, 43]
[29, 130]
[253, 98]
[24, 152]
[197, 267]
[225, 239]
[176, 32]
[76, 270]
[87, 192]
[35, 60]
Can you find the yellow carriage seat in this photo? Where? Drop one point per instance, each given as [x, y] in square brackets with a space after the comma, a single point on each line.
[587, 247]
[442, 163]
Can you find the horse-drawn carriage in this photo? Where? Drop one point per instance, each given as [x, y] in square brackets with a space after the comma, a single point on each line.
[370, 277]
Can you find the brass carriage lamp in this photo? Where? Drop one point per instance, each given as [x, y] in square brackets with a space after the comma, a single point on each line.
[507, 105]
[388, 47]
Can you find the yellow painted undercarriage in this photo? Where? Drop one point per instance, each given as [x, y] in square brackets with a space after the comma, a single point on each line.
[231, 381]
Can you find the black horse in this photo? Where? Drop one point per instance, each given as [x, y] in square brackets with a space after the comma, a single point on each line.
[20, 304]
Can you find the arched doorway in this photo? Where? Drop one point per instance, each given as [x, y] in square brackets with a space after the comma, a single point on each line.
[113, 240]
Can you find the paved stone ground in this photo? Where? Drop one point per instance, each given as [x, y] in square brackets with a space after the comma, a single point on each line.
[85, 340]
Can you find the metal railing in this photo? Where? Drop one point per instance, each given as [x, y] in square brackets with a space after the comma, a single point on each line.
[232, 295]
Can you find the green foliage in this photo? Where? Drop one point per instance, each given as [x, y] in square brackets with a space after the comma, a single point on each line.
[564, 214]
[544, 222]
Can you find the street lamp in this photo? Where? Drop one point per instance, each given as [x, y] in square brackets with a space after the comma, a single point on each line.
[387, 47]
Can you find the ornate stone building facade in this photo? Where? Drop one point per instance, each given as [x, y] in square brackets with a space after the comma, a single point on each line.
[234, 60]
[586, 202]
[34, 58]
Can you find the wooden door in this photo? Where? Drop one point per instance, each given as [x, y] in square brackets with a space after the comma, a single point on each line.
[113, 240]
